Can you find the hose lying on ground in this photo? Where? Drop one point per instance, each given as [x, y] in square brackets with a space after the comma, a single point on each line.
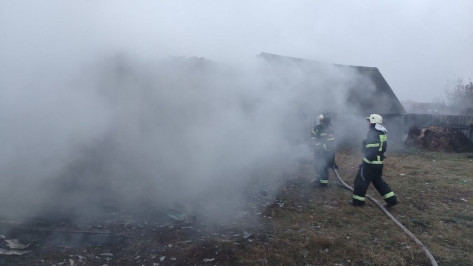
[408, 233]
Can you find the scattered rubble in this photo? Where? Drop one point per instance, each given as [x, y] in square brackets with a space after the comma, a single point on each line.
[176, 215]
[169, 237]
[437, 138]
[13, 247]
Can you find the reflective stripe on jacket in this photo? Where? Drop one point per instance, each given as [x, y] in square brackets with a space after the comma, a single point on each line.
[374, 146]
[324, 136]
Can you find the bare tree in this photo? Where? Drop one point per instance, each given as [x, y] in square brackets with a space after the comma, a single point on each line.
[460, 96]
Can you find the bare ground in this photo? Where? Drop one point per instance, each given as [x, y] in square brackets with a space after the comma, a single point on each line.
[302, 225]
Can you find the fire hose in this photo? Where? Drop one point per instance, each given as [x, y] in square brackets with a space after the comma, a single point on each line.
[431, 258]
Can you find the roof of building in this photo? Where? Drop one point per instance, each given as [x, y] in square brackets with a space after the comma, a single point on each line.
[366, 90]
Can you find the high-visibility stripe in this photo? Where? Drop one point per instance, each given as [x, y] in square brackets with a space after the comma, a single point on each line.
[372, 162]
[358, 198]
[330, 139]
[390, 194]
[322, 181]
[372, 145]
[382, 138]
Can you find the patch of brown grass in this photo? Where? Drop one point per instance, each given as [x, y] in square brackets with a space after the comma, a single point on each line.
[318, 227]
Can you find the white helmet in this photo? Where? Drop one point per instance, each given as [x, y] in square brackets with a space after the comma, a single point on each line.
[375, 119]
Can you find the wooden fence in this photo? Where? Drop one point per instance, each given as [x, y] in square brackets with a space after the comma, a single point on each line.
[399, 124]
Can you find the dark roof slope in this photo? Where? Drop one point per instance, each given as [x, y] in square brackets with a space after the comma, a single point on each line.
[367, 91]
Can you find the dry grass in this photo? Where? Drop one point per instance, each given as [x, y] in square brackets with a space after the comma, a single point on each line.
[307, 226]
[318, 227]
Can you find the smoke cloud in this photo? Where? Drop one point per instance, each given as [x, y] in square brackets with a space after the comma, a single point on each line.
[125, 132]
[94, 122]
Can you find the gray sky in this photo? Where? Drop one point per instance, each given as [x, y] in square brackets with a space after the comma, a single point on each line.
[417, 45]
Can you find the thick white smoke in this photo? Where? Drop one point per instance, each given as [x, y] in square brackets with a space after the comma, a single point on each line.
[124, 132]
[95, 115]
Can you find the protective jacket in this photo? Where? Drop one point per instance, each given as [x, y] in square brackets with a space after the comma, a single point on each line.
[374, 146]
[323, 137]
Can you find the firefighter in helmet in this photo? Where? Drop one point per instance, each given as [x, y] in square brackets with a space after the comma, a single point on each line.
[371, 169]
[323, 138]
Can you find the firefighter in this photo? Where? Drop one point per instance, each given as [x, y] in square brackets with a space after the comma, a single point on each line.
[323, 138]
[371, 169]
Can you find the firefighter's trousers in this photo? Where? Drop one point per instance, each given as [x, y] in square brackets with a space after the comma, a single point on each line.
[367, 175]
[321, 167]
